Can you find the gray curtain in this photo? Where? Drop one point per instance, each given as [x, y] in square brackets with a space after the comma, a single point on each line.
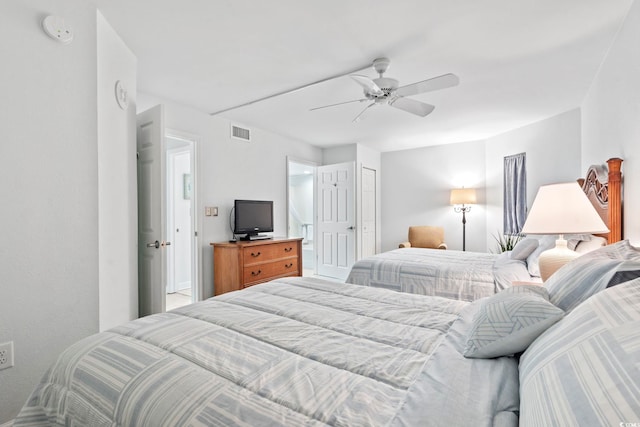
[515, 193]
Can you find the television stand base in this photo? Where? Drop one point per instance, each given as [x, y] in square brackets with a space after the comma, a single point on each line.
[256, 237]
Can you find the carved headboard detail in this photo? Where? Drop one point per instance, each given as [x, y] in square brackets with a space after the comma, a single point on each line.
[603, 187]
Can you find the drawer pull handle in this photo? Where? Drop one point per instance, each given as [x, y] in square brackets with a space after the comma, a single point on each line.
[255, 254]
[256, 273]
[288, 249]
[289, 265]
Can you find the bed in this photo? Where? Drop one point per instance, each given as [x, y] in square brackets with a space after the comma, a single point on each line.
[309, 352]
[471, 275]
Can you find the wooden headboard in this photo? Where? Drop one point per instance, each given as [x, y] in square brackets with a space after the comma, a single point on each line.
[603, 187]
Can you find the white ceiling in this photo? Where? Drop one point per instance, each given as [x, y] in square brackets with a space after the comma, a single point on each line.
[519, 61]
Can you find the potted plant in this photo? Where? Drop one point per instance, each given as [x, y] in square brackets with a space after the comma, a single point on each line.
[506, 242]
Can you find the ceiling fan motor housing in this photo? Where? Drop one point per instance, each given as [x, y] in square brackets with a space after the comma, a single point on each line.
[381, 65]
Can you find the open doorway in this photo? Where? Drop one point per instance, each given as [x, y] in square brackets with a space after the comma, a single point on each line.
[181, 223]
[301, 177]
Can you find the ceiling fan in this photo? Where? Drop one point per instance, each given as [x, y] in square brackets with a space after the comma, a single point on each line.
[385, 90]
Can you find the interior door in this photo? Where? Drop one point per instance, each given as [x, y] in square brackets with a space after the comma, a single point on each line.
[152, 216]
[336, 220]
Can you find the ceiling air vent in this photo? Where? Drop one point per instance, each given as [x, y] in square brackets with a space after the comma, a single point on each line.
[240, 133]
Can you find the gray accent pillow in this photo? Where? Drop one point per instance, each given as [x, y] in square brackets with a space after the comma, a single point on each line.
[524, 248]
[593, 272]
[507, 322]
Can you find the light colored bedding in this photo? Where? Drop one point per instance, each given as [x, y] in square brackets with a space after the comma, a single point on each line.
[295, 351]
[465, 276]
[585, 370]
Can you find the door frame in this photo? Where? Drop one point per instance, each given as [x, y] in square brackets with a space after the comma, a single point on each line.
[193, 142]
[291, 159]
[361, 211]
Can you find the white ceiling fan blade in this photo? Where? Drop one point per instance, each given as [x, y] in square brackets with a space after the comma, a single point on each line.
[412, 106]
[359, 116]
[436, 83]
[369, 85]
[339, 103]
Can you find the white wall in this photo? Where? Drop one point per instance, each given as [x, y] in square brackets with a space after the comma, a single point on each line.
[340, 154]
[181, 244]
[611, 117]
[553, 155]
[117, 192]
[229, 169]
[49, 171]
[416, 189]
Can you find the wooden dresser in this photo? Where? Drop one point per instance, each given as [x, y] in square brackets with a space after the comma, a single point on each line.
[242, 264]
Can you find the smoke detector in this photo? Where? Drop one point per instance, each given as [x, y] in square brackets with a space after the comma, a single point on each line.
[55, 28]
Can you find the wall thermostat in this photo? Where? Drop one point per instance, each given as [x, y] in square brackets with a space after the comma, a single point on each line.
[55, 28]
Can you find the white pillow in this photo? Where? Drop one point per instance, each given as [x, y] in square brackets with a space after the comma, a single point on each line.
[585, 246]
[574, 240]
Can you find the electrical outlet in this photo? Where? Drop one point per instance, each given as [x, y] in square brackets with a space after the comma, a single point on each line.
[6, 355]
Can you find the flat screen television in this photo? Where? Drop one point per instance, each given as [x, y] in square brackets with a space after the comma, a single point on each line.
[253, 217]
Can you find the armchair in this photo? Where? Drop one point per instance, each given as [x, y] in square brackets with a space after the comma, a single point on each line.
[425, 236]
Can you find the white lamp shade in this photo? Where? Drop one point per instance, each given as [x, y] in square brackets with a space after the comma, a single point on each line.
[563, 209]
[463, 196]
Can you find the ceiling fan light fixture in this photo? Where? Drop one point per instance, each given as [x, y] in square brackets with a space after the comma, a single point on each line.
[387, 84]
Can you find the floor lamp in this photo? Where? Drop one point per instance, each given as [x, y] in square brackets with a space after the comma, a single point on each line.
[461, 199]
[561, 209]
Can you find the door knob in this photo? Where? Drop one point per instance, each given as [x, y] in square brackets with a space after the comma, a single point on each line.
[351, 228]
[157, 244]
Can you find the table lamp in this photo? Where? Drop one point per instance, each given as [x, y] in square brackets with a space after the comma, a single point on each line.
[561, 209]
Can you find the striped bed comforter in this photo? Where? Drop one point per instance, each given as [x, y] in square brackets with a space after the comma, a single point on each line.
[292, 352]
[465, 276]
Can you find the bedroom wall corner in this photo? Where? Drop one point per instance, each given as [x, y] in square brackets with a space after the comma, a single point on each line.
[553, 155]
[48, 158]
[610, 117]
[117, 178]
[416, 189]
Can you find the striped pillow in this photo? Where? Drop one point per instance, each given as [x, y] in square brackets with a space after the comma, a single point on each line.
[593, 272]
[507, 322]
[585, 370]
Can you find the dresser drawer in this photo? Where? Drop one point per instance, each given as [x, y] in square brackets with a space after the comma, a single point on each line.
[266, 271]
[265, 253]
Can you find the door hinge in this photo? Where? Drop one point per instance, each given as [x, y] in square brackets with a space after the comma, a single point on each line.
[137, 155]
